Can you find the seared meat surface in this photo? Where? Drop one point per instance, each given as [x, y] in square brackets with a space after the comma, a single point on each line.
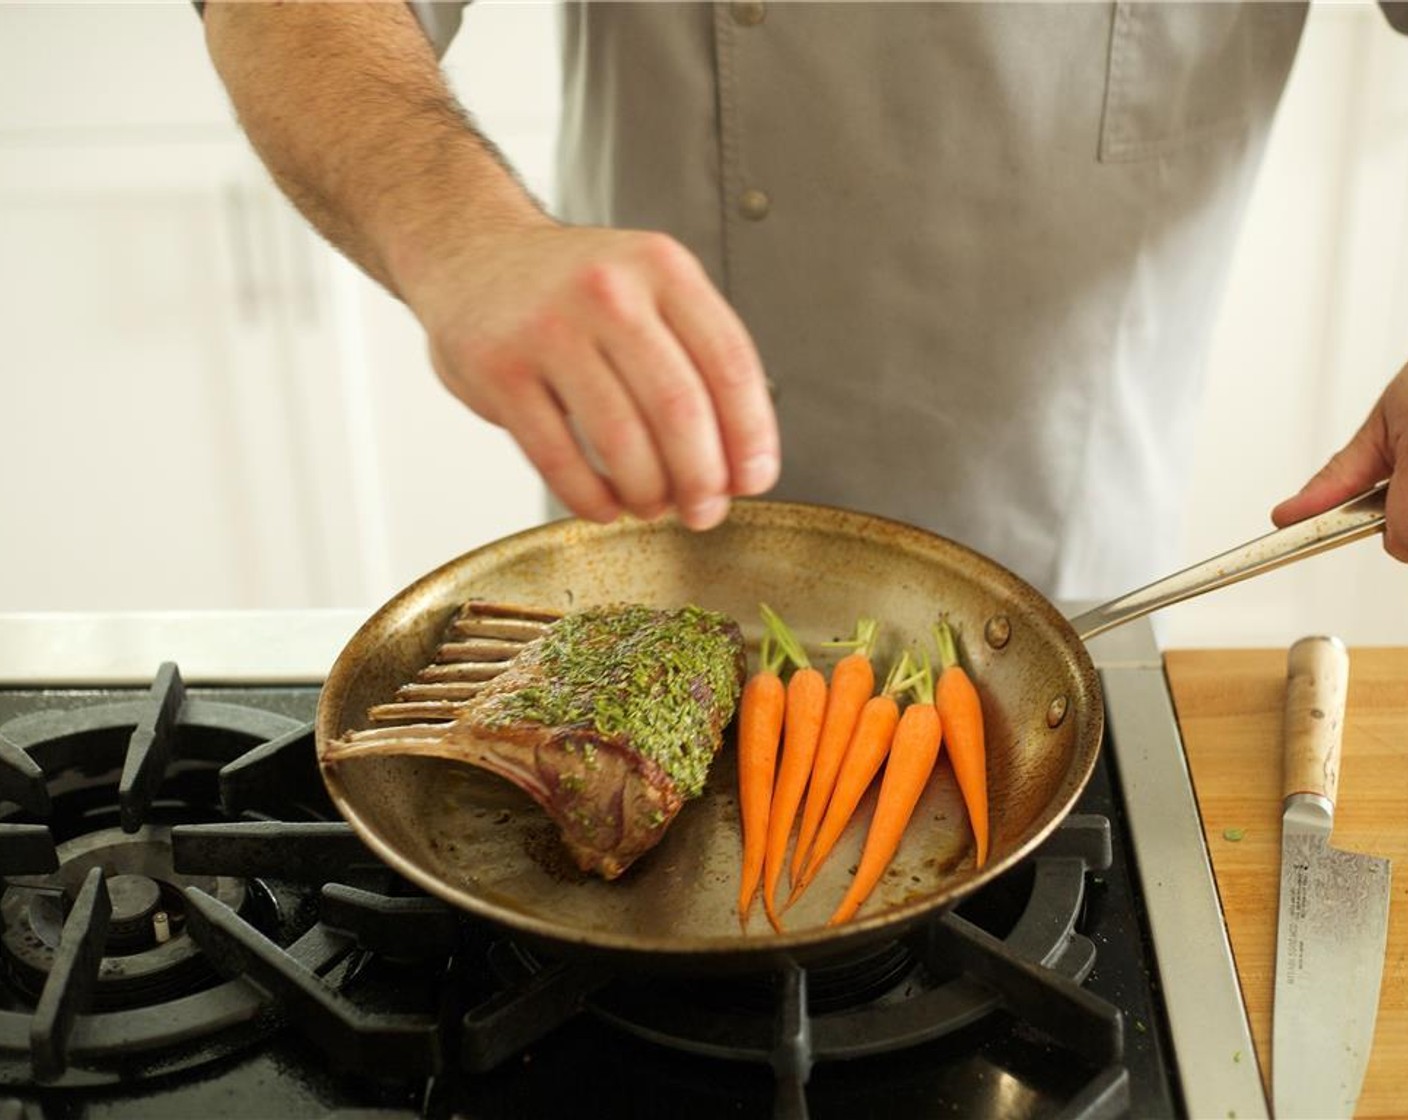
[609, 720]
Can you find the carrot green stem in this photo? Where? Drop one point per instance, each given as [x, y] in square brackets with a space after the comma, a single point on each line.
[771, 658]
[921, 681]
[896, 680]
[947, 642]
[784, 638]
[863, 641]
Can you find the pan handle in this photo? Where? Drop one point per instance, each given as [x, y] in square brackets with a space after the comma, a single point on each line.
[1359, 517]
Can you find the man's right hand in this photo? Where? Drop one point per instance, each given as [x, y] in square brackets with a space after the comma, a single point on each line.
[609, 356]
[624, 376]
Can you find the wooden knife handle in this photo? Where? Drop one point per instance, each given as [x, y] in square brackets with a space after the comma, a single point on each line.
[1317, 681]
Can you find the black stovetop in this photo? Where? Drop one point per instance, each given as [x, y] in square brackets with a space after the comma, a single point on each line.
[299, 977]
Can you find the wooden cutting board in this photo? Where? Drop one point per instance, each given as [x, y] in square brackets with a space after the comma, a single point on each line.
[1229, 711]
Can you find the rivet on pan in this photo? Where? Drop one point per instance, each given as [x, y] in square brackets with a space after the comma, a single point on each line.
[1056, 712]
[998, 631]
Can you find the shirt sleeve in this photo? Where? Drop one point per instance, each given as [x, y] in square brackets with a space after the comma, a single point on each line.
[439, 19]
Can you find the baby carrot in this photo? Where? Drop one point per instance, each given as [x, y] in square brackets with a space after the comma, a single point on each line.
[864, 755]
[907, 770]
[760, 715]
[852, 684]
[962, 713]
[806, 704]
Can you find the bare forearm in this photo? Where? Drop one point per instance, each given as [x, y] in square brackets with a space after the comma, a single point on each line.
[608, 355]
[347, 108]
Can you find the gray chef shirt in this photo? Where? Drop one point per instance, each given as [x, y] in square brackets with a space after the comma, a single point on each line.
[981, 247]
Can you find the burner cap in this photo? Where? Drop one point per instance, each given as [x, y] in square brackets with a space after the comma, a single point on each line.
[135, 901]
[148, 957]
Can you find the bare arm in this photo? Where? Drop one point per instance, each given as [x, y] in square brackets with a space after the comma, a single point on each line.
[583, 343]
[346, 106]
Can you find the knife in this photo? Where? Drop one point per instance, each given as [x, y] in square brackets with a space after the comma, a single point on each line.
[1333, 921]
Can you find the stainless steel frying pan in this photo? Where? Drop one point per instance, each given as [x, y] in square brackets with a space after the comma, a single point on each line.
[475, 841]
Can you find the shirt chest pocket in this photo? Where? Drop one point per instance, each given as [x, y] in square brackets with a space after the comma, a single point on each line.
[1183, 74]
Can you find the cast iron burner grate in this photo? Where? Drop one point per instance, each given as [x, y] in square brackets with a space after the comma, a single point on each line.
[934, 983]
[101, 981]
[298, 928]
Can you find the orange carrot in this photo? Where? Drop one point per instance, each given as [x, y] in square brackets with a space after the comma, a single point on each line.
[760, 714]
[911, 761]
[852, 683]
[806, 704]
[962, 713]
[864, 756]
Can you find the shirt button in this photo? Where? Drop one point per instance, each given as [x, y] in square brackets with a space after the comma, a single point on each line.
[754, 204]
[749, 13]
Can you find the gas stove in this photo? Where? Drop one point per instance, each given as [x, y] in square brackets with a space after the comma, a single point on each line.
[187, 928]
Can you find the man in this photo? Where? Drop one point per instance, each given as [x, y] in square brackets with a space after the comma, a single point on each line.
[978, 249]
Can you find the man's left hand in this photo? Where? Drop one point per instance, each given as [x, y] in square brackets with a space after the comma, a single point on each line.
[1379, 450]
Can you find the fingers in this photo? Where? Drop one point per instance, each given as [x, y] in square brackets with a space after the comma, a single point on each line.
[628, 429]
[611, 427]
[691, 371]
[1370, 457]
[723, 353]
[623, 375]
[1355, 467]
[675, 404]
[1396, 512]
[538, 425]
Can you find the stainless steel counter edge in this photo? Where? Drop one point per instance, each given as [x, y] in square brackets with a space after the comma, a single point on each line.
[125, 648]
[1217, 1065]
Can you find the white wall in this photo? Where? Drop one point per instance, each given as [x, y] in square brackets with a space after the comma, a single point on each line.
[202, 406]
[1314, 325]
[1315, 322]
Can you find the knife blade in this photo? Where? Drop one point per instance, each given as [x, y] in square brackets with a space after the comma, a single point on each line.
[1332, 924]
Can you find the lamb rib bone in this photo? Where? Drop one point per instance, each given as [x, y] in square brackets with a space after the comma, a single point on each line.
[479, 643]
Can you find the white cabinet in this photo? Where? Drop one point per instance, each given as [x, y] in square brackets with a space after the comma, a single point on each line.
[202, 405]
[165, 363]
[166, 339]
